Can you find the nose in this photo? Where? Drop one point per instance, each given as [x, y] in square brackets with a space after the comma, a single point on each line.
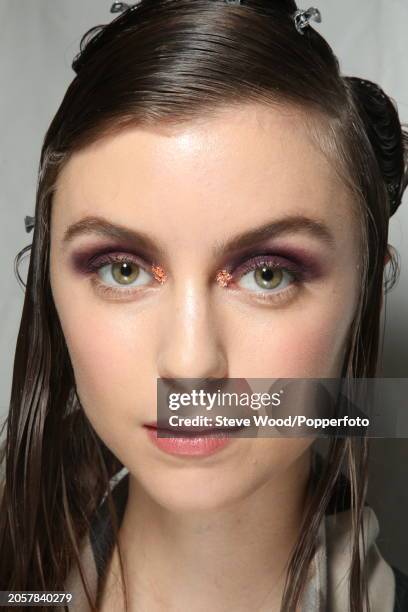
[190, 343]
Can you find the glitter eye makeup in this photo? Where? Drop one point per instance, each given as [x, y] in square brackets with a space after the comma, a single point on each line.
[274, 277]
[223, 278]
[159, 274]
[93, 261]
[272, 269]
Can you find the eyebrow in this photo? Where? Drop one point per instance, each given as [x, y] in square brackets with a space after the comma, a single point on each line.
[289, 224]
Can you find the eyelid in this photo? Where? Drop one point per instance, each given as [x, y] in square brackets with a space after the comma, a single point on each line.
[226, 275]
[96, 263]
[272, 261]
[103, 259]
[226, 278]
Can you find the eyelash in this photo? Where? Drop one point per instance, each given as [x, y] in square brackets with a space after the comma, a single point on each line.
[252, 264]
[275, 263]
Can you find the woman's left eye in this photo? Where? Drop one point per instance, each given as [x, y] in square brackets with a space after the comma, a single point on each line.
[267, 276]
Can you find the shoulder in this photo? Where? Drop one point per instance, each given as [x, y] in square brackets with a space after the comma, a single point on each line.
[401, 590]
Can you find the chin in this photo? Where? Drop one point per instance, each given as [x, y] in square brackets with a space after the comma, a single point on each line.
[193, 488]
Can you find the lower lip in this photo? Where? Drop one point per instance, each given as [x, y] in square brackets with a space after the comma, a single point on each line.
[198, 446]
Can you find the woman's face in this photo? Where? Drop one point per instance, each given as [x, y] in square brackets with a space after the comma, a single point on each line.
[192, 191]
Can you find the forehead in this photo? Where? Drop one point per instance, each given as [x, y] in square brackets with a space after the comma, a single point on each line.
[241, 164]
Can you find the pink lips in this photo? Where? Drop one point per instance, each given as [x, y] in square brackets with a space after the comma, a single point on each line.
[201, 443]
[197, 441]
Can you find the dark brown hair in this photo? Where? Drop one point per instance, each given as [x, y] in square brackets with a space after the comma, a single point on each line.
[169, 62]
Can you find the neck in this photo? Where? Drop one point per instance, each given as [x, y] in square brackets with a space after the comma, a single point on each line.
[229, 558]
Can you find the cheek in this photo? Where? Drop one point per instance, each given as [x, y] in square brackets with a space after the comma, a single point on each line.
[307, 340]
[313, 345]
[108, 353]
[102, 351]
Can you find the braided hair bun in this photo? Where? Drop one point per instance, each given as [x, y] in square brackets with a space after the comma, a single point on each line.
[384, 130]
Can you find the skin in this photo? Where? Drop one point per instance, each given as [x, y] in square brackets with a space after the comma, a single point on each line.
[218, 530]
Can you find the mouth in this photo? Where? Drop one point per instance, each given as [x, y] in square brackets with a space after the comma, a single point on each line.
[191, 431]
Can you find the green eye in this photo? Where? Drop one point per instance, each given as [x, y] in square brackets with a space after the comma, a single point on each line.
[125, 273]
[268, 278]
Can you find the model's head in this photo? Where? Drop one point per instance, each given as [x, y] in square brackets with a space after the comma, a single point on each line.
[213, 202]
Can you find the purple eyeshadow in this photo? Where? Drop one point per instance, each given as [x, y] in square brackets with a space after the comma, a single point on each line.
[85, 260]
[305, 264]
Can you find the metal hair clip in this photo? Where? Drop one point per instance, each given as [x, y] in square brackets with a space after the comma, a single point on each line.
[29, 223]
[302, 18]
[119, 7]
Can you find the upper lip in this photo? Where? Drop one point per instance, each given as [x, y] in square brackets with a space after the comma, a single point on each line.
[192, 429]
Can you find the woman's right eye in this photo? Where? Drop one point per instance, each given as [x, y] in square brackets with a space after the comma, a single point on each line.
[120, 275]
[124, 273]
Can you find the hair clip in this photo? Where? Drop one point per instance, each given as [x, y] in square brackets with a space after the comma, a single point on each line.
[119, 7]
[302, 18]
[29, 223]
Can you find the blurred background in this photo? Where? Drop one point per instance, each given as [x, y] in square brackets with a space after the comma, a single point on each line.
[38, 40]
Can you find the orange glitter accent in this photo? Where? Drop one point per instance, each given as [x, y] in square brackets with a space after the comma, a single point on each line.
[159, 274]
[223, 277]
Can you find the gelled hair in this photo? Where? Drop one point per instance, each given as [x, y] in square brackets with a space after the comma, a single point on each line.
[169, 62]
